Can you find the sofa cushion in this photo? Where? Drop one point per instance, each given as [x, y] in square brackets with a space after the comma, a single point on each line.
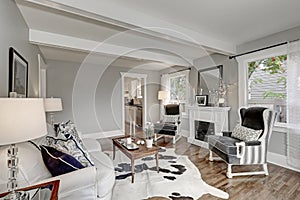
[31, 166]
[58, 162]
[245, 134]
[72, 147]
[223, 143]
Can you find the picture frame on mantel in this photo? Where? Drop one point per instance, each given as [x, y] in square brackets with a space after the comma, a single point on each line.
[18, 75]
[201, 100]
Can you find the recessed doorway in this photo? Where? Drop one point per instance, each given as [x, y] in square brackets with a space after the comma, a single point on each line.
[134, 97]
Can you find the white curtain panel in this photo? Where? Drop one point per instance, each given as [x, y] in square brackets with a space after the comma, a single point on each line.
[293, 105]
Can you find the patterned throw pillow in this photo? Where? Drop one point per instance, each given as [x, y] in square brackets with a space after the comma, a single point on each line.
[58, 162]
[245, 134]
[68, 130]
[171, 119]
[72, 147]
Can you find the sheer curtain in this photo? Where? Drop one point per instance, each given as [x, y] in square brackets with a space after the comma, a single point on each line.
[293, 104]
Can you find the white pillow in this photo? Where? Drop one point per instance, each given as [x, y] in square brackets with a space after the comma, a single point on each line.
[245, 134]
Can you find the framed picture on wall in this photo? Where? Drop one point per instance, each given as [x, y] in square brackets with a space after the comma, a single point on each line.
[18, 74]
[201, 100]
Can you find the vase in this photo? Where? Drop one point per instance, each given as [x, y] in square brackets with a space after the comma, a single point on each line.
[149, 143]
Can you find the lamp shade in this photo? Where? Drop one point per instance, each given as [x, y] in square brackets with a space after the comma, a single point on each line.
[53, 104]
[21, 119]
[162, 95]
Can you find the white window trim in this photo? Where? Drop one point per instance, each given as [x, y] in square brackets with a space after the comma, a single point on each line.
[177, 74]
[243, 75]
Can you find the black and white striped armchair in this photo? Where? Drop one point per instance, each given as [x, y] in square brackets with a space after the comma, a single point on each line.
[247, 144]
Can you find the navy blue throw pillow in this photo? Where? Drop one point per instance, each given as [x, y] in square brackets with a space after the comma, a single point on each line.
[58, 162]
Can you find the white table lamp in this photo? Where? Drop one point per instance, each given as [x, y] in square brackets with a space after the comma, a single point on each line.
[52, 105]
[162, 95]
[21, 119]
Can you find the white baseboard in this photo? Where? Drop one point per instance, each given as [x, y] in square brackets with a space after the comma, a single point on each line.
[106, 134]
[280, 160]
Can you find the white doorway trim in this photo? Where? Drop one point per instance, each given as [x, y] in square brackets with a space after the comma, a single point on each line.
[144, 78]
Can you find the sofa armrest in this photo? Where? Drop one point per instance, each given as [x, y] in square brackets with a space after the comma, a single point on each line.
[91, 145]
[79, 184]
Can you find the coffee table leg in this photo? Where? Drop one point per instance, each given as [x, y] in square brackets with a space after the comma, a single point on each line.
[114, 151]
[132, 170]
[157, 167]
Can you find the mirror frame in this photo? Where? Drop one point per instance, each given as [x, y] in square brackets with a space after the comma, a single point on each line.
[220, 67]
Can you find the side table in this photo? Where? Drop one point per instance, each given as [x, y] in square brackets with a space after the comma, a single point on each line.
[43, 191]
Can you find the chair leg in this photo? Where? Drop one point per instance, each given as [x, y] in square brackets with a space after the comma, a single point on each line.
[265, 167]
[211, 159]
[174, 140]
[229, 171]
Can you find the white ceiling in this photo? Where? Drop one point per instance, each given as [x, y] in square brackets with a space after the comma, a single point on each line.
[235, 21]
[167, 30]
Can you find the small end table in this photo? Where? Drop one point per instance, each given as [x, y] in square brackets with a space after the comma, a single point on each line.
[38, 189]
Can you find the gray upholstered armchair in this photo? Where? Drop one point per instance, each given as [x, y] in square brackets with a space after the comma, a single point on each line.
[255, 128]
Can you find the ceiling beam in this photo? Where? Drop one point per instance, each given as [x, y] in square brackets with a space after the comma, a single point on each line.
[89, 46]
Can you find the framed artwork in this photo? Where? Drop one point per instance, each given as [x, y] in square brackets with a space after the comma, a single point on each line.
[201, 100]
[18, 74]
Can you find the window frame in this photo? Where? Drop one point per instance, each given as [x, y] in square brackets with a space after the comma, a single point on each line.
[243, 75]
[175, 75]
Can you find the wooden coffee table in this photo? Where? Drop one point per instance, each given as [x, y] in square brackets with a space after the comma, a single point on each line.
[141, 152]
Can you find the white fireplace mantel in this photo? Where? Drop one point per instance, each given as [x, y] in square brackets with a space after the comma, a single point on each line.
[216, 115]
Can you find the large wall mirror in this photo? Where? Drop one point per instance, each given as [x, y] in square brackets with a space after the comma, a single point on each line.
[209, 81]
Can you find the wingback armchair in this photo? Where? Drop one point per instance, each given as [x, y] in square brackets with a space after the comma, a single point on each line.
[247, 144]
[170, 124]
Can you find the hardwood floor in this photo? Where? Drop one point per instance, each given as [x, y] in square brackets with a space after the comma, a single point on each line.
[281, 184]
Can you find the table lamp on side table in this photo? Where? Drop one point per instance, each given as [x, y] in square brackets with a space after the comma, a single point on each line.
[21, 119]
[52, 105]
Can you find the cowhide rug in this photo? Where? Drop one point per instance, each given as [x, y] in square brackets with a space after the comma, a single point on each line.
[178, 178]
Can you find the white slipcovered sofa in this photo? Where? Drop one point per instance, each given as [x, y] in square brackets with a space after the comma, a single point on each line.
[94, 182]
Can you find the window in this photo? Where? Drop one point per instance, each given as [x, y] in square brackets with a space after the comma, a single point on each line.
[178, 88]
[267, 84]
[177, 85]
[262, 82]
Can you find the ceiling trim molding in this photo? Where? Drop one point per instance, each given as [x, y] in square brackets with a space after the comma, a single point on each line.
[144, 24]
[72, 43]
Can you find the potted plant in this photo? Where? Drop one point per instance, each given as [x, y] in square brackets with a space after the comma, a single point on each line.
[149, 132]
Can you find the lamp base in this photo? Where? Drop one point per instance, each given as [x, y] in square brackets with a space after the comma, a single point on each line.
[12, 164]
[20, 195]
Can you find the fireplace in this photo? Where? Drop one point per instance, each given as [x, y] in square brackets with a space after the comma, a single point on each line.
[205, 120]
[203, 128]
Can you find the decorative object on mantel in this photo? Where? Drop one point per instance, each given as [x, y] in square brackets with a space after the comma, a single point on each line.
[52, 105]
[21, 119]
[18, 74]
[201, 100]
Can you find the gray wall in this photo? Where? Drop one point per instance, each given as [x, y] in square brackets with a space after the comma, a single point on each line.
[60, 82]
[14, 33]
[278, 139]
[230, 78]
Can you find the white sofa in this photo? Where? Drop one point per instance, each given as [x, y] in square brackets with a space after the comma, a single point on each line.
[88, 183]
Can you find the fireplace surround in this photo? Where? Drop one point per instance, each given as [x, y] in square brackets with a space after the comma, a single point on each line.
[206, 120]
